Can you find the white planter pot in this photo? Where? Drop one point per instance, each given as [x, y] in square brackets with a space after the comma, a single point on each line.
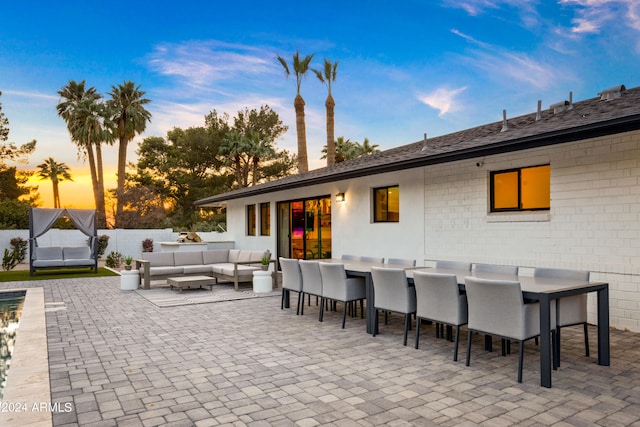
[262, 281]
[129, 280]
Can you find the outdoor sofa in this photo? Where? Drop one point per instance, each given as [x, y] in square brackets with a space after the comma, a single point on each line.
[226, 265]
[55, 257]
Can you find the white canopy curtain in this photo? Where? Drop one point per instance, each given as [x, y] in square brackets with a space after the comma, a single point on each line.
[41, 220]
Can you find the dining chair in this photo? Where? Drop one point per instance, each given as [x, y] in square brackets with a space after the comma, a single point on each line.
[497, 308]
[393, 293]
[507, 270]
[453, 265]
[291, 280]
[438, 299]
[571, 310]
[336, 286]
[347, 257]
[311, 282]
[374, 259]
[402, 261]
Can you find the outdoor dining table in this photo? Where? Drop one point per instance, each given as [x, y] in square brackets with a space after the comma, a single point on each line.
[543, 290]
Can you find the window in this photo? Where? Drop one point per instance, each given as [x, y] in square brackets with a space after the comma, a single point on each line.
[265, 219]
[521, 189]
[386, 204]
[251, 220]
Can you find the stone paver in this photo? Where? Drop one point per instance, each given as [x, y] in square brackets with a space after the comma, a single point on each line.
[121, 360]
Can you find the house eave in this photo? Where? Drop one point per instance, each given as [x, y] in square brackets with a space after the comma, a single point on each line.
[593, 130]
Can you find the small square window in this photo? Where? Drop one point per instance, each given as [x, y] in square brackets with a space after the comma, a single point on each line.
[521, 189]
[386, 204]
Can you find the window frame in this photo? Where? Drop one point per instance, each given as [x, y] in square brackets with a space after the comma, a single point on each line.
[492, 175]
[374, 192]
[251, 219]
[265, 210]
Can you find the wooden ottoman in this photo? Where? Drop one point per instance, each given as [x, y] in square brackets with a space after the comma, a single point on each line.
[191, 282]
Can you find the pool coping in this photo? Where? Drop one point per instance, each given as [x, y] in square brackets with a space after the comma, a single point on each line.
[27, 394]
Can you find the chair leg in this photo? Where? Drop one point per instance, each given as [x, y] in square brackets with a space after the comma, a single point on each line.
[417, 332]
[407, 322]
[437, 330]
[362, 309]
[321, 314]
[282, 300]
[503, 347]
[386, 317]
[375, 323]
[469, 338]
[298, 305]
[344, 314]
[586, 339]
[301, 303]
[455, 347]
[520, 361]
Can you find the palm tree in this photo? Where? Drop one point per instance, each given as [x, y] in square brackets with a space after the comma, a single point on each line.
[328, 75]
[300, 68]
[56, 172]
[130, 118]
[88, 126]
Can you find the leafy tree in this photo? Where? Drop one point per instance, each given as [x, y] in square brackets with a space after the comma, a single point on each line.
[130, 118]
[14, 214]
[300, 68]
[56, 172]
[327, 76]
[89, 127]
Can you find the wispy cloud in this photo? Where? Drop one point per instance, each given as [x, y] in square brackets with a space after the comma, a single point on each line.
[470, 39]
[593, 15]
[442, 99]
[30, 95]
[205, 63]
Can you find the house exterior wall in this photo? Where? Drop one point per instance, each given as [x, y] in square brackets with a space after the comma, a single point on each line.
[593, 223]
[352, 227]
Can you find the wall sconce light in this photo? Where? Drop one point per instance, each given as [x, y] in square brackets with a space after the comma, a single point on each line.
[340, 197]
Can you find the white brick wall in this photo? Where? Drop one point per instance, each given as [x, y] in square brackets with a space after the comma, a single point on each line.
[593, 224]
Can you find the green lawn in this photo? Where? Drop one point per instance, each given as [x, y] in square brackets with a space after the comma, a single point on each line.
[67, 273]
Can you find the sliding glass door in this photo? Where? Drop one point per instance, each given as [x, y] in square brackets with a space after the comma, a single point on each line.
[304, 228]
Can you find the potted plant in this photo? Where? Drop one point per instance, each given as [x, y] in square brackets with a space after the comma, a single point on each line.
[265, 260]
[147, 245]
[127, 262]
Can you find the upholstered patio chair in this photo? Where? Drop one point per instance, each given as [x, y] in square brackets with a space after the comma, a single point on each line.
[402, 261]
[393, 294]
[375, 259]
[311, 282]
[291, 280]
[571, 310]
[438, 299]
[497, 308]
[506, 270]
[336, 286]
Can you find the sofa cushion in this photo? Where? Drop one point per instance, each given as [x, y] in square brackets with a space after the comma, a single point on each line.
[245, 256]
[187, 258]
[165, 270]
[218, 268]
[49, 253]
[197, 269]
[76, 253]
[159, 259]
[215, 256]
[256, 256]
[48, 263]
[244, 271]
[233, 255]
[79, 262]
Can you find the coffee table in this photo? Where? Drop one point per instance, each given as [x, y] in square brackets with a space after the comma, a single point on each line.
[191, 281]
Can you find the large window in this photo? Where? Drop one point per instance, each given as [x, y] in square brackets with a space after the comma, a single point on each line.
[251, 220]
[521, 189]
[386, 204]
[265, 219]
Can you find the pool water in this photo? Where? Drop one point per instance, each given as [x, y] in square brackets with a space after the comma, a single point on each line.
[10, 310]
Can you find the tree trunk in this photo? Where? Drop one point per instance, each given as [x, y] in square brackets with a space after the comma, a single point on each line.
[303, 162]
[56, 194]
[122, 163]
[94, 182]
[101, 217]
[331, 142]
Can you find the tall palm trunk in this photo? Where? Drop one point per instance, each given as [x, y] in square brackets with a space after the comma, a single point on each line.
[56, 193]
[122, 161]
[303, 162]
[94, 184]
[101, 216]
[331, 145]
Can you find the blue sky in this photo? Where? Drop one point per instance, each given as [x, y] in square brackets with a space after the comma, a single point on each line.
[405, 67]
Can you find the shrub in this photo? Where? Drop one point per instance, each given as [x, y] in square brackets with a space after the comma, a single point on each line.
[17, 254]
[103, 242]
[114, 259]
[147, 245]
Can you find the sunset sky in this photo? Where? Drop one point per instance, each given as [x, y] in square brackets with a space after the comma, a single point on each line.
[405, 68]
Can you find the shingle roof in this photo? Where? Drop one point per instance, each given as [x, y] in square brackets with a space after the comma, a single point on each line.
[585, 119]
